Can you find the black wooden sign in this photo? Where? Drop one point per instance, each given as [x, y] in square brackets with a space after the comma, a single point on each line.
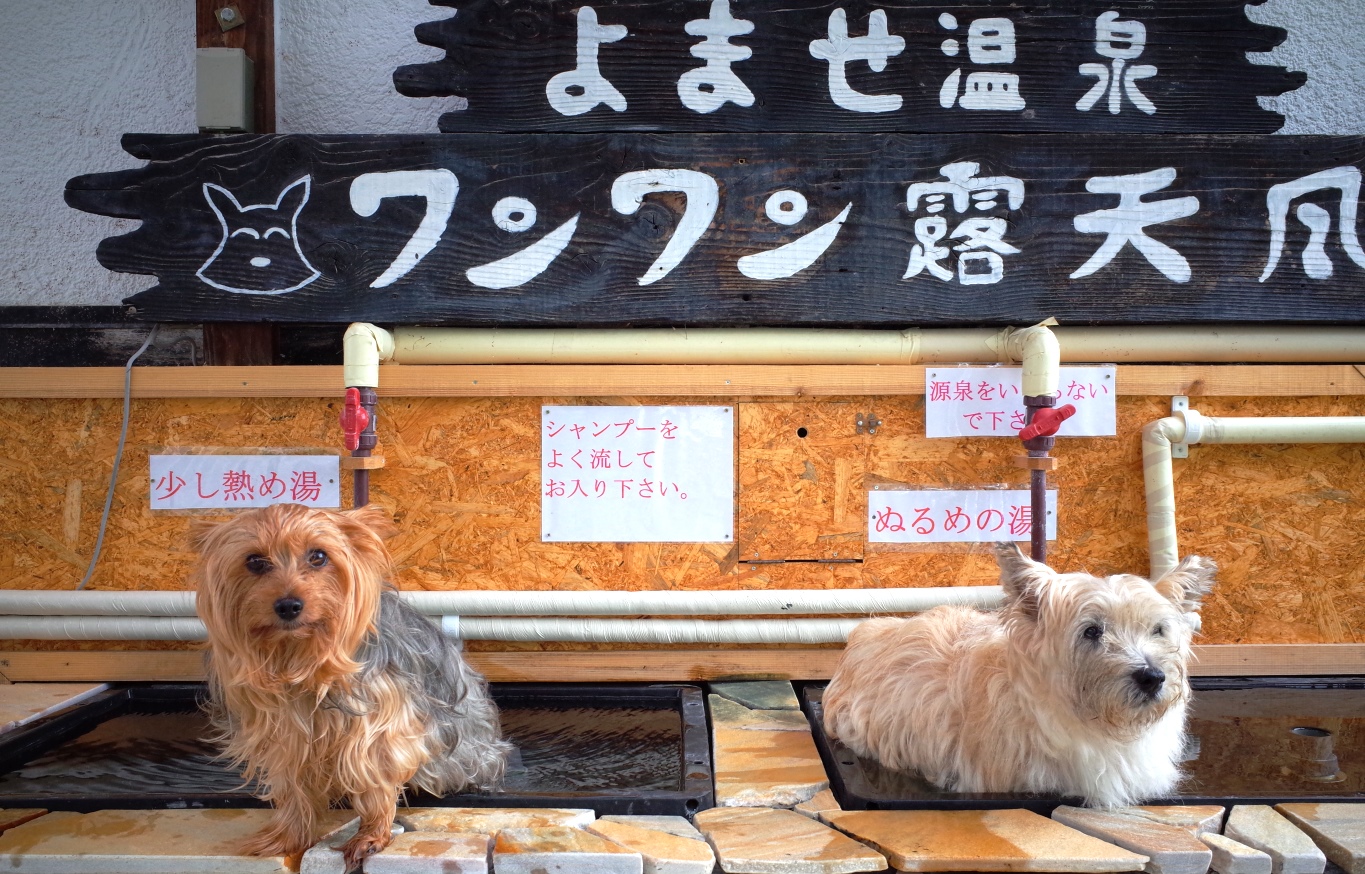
[733, 229]
[813, 65]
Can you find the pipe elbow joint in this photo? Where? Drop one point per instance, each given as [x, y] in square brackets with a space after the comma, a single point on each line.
[1037, 349]
[364, 346]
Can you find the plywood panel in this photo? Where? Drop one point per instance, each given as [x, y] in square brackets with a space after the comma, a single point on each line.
[462, 480]
[800, 481]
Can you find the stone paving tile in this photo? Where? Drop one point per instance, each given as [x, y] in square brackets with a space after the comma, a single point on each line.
[12, 816]
[1197, 819]
[661, 852]
[674, 825]
[733, 715]
[139, 842]
[824, 802]
[763, 758]
[760, 695]
[1169, 849]
[22, 703]
[325, 856]
[491, 820]
[1338, 830]
[1290, 850]
[432, 853]
[561, 851]
[758, 840]
[982, 840]
[1231, 857]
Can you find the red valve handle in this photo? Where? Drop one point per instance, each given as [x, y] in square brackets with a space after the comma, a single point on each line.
[354, 419]
[1046, 421]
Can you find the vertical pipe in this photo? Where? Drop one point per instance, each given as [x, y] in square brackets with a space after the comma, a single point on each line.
[1037, 447]
[360, 493]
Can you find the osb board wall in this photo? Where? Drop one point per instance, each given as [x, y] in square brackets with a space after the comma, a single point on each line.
[1283, 522]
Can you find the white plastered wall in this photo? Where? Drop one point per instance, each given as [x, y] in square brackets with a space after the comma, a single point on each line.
[78, 74]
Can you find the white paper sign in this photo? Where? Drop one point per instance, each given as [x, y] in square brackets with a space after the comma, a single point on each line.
[989, 401]
[197, 482]
[954, 516]
[637, 474]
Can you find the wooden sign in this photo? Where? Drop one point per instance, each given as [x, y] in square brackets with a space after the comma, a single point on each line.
[739, 229]
[810, 65]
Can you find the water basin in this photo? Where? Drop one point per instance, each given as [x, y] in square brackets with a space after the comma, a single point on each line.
[632, 749]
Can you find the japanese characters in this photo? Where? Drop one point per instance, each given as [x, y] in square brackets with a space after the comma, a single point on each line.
[813, 65]
[885, 230]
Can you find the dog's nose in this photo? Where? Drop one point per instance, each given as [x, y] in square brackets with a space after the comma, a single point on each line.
[288, 608]
[1149, 678]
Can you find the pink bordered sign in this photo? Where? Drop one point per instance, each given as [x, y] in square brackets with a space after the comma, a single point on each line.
[229, 482]
[637, 474]
[953, 515]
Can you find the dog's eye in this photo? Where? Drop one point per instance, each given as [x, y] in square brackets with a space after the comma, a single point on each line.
[258, 564]
[317, 558]
[1159, 631]
[1093, 632]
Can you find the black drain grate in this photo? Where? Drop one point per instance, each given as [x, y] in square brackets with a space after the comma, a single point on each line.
[623, 749]
[1252, 741]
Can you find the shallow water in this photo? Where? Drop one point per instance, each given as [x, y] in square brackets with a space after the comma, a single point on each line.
[1262, 742]
[559, 749]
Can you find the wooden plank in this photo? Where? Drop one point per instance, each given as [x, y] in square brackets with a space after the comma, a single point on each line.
[674, 380]
[656, 665]
[1282, 659]
[761, 67]
[816, 230]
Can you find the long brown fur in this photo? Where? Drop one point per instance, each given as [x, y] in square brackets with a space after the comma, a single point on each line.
[350, 699]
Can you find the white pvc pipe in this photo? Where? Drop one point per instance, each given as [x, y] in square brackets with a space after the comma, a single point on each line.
[1188, 426]
[544, 603]
[801, 631]
[368, 345]
[101, 628]
[797, 631]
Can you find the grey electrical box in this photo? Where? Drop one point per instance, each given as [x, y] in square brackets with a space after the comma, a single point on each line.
[223, 90]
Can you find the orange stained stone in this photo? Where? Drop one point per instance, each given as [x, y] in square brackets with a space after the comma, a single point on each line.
[653, 844]
[22, 703]
[1337, 828]
[824, 802]
[432, 851]
[491, 820]
[1197, 819]
[12, 816]
[760, 839]
[766, 768]
[159, 840]
[553, 840]
[982, 840]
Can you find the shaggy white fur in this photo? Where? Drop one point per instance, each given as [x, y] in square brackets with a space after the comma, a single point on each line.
[1077, 686]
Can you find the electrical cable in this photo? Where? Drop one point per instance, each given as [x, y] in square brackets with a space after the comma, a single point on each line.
[118, 454]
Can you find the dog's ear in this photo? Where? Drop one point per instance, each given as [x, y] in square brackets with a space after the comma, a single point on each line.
[1188, 583]
[1022, 579]
[373, 517]
[199, 533]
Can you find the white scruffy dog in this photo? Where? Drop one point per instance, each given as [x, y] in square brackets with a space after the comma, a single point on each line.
[1078, 686]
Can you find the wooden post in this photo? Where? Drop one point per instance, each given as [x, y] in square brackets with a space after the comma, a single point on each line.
[243, 344]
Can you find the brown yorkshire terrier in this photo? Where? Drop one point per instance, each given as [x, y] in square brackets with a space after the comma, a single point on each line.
[324, 684]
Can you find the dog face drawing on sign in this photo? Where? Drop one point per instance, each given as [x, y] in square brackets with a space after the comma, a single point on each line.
[259, 251]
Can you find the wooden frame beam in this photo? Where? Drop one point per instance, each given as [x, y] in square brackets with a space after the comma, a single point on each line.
[671, 380]
[659, 666]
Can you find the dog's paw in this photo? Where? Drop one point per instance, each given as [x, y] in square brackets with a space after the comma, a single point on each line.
[271, 843]
[363, 846]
